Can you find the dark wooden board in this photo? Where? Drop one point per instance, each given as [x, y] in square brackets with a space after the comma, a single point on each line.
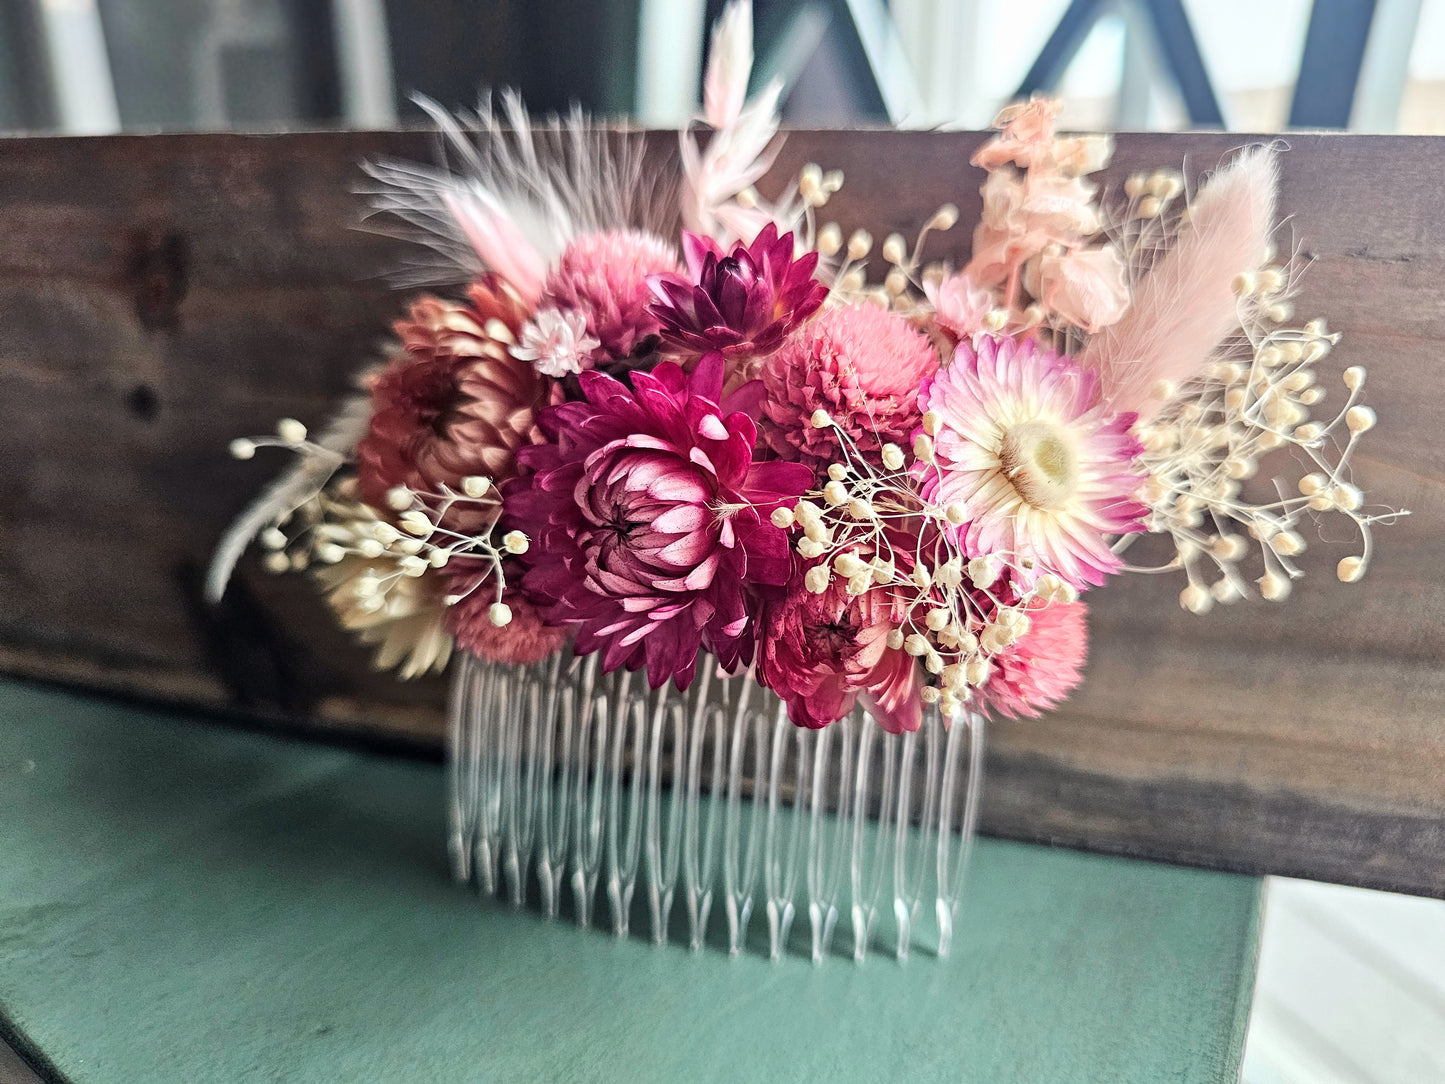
[162, 294]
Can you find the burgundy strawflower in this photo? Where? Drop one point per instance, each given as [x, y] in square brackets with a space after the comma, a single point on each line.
[452, 403]
[742, 303]
[649, 519]
[822, 652]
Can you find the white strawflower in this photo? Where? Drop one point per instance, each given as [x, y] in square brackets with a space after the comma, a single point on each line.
[555, 342]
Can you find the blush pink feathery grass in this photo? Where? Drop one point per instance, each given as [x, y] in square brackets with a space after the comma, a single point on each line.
[1185, 306]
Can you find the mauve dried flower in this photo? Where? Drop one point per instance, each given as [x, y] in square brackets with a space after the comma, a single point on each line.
[453, 404]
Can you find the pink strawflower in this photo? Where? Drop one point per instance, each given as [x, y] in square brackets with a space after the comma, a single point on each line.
[1043, 473]
[742, 303]
[1044, 666]
[522, 641]
[603, 276]
[864, 366]
[650, 519]
[822, 653]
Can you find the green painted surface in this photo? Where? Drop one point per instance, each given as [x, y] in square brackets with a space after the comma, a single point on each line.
[186, 903]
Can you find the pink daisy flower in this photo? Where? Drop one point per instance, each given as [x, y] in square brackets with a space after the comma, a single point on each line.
[1025, 445]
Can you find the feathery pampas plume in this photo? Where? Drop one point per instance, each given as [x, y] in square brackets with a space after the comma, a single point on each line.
[510, 192]
[1185, 306]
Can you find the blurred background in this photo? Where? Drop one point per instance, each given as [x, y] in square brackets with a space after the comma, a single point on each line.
[1352, 983]
[94, 66]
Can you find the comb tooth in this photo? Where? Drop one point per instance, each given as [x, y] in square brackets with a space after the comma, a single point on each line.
[562, 774]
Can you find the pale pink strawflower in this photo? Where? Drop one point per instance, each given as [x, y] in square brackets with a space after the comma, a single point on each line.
[1043, 666]
[861, 364]
[1043, 474]
[603, 277]
[556, 343]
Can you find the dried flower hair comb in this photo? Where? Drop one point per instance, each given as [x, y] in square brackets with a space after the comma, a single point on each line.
[721, 512]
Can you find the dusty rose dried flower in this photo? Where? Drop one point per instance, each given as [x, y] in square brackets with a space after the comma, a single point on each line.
[821, 653]
[1044, 666]
[522, 641]
[650, 520]
[452, 404]
[861, 364]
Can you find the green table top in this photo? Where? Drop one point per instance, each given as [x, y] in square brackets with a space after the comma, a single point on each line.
[188, 903]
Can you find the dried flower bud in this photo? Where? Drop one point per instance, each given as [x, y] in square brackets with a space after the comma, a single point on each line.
[291, 431]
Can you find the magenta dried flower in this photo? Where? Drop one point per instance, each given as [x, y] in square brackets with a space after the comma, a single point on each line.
[651, 519]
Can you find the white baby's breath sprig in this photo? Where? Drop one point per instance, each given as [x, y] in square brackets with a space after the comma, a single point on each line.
[1208, 442]
[870, 528]
[379, 566]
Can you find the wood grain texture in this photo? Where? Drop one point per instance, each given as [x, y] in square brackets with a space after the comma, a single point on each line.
[160, 295]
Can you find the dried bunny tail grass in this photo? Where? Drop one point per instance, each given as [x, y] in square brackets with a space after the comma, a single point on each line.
[509, 192]
[319, 460]
[1185, 305]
